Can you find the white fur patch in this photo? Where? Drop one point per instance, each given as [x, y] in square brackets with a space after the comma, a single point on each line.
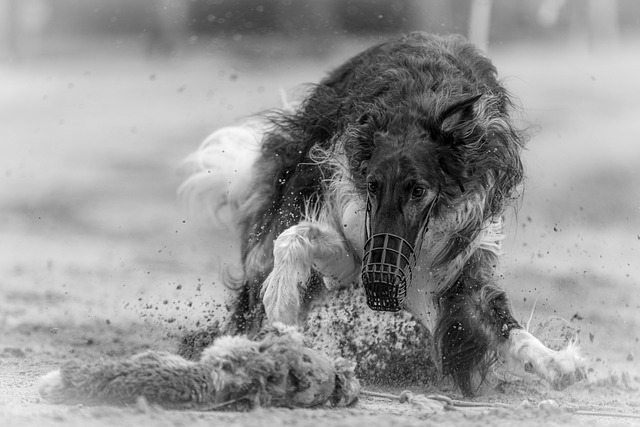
[220, 173]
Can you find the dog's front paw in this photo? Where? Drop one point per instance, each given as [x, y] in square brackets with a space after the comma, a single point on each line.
[560, 368]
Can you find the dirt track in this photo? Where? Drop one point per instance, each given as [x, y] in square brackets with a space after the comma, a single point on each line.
[98, 261]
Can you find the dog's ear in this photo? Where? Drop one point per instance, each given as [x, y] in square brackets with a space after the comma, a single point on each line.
[359, 145]
[453, 113]
[451, 120]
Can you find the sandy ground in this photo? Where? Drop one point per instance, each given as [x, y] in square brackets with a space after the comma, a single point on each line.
[97, 260]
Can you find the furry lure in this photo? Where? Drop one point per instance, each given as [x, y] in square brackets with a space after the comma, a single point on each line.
[234, 373]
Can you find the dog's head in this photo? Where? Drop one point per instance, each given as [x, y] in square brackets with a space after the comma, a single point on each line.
[423, 169]
[425, 128]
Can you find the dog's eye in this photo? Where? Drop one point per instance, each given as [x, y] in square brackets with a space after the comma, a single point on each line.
[372, 187]
[418, 192]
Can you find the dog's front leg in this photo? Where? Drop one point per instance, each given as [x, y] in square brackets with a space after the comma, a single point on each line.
[296, 251]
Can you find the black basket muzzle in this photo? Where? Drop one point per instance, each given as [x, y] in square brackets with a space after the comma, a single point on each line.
[387, 269]
[388, 264]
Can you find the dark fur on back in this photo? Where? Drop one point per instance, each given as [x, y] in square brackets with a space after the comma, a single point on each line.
[401, 90]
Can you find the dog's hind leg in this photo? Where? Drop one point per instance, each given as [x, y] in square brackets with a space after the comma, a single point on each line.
[297, 251]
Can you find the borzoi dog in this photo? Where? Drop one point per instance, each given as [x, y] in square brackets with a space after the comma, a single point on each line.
[393, 173]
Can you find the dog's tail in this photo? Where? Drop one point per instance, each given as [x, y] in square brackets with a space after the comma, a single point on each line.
[219, 174]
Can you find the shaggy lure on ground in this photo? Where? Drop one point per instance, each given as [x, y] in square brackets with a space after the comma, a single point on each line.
[277, 369]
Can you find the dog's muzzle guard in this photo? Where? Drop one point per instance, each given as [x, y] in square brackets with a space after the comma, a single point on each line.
[387, 266]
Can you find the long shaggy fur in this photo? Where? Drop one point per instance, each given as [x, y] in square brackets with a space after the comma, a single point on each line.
[277, 369]
[419, 111]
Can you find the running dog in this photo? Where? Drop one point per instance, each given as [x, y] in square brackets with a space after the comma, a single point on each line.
[394, 173]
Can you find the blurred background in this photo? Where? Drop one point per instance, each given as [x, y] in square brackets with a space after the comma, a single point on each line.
[101, 99]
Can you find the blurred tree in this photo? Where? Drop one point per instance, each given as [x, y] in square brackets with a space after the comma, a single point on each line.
[164, 24]
[167, 25]
[593, 23]
[376, 16]
[9, 26]
[479, 23]
[302, 16]
[23, 25]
